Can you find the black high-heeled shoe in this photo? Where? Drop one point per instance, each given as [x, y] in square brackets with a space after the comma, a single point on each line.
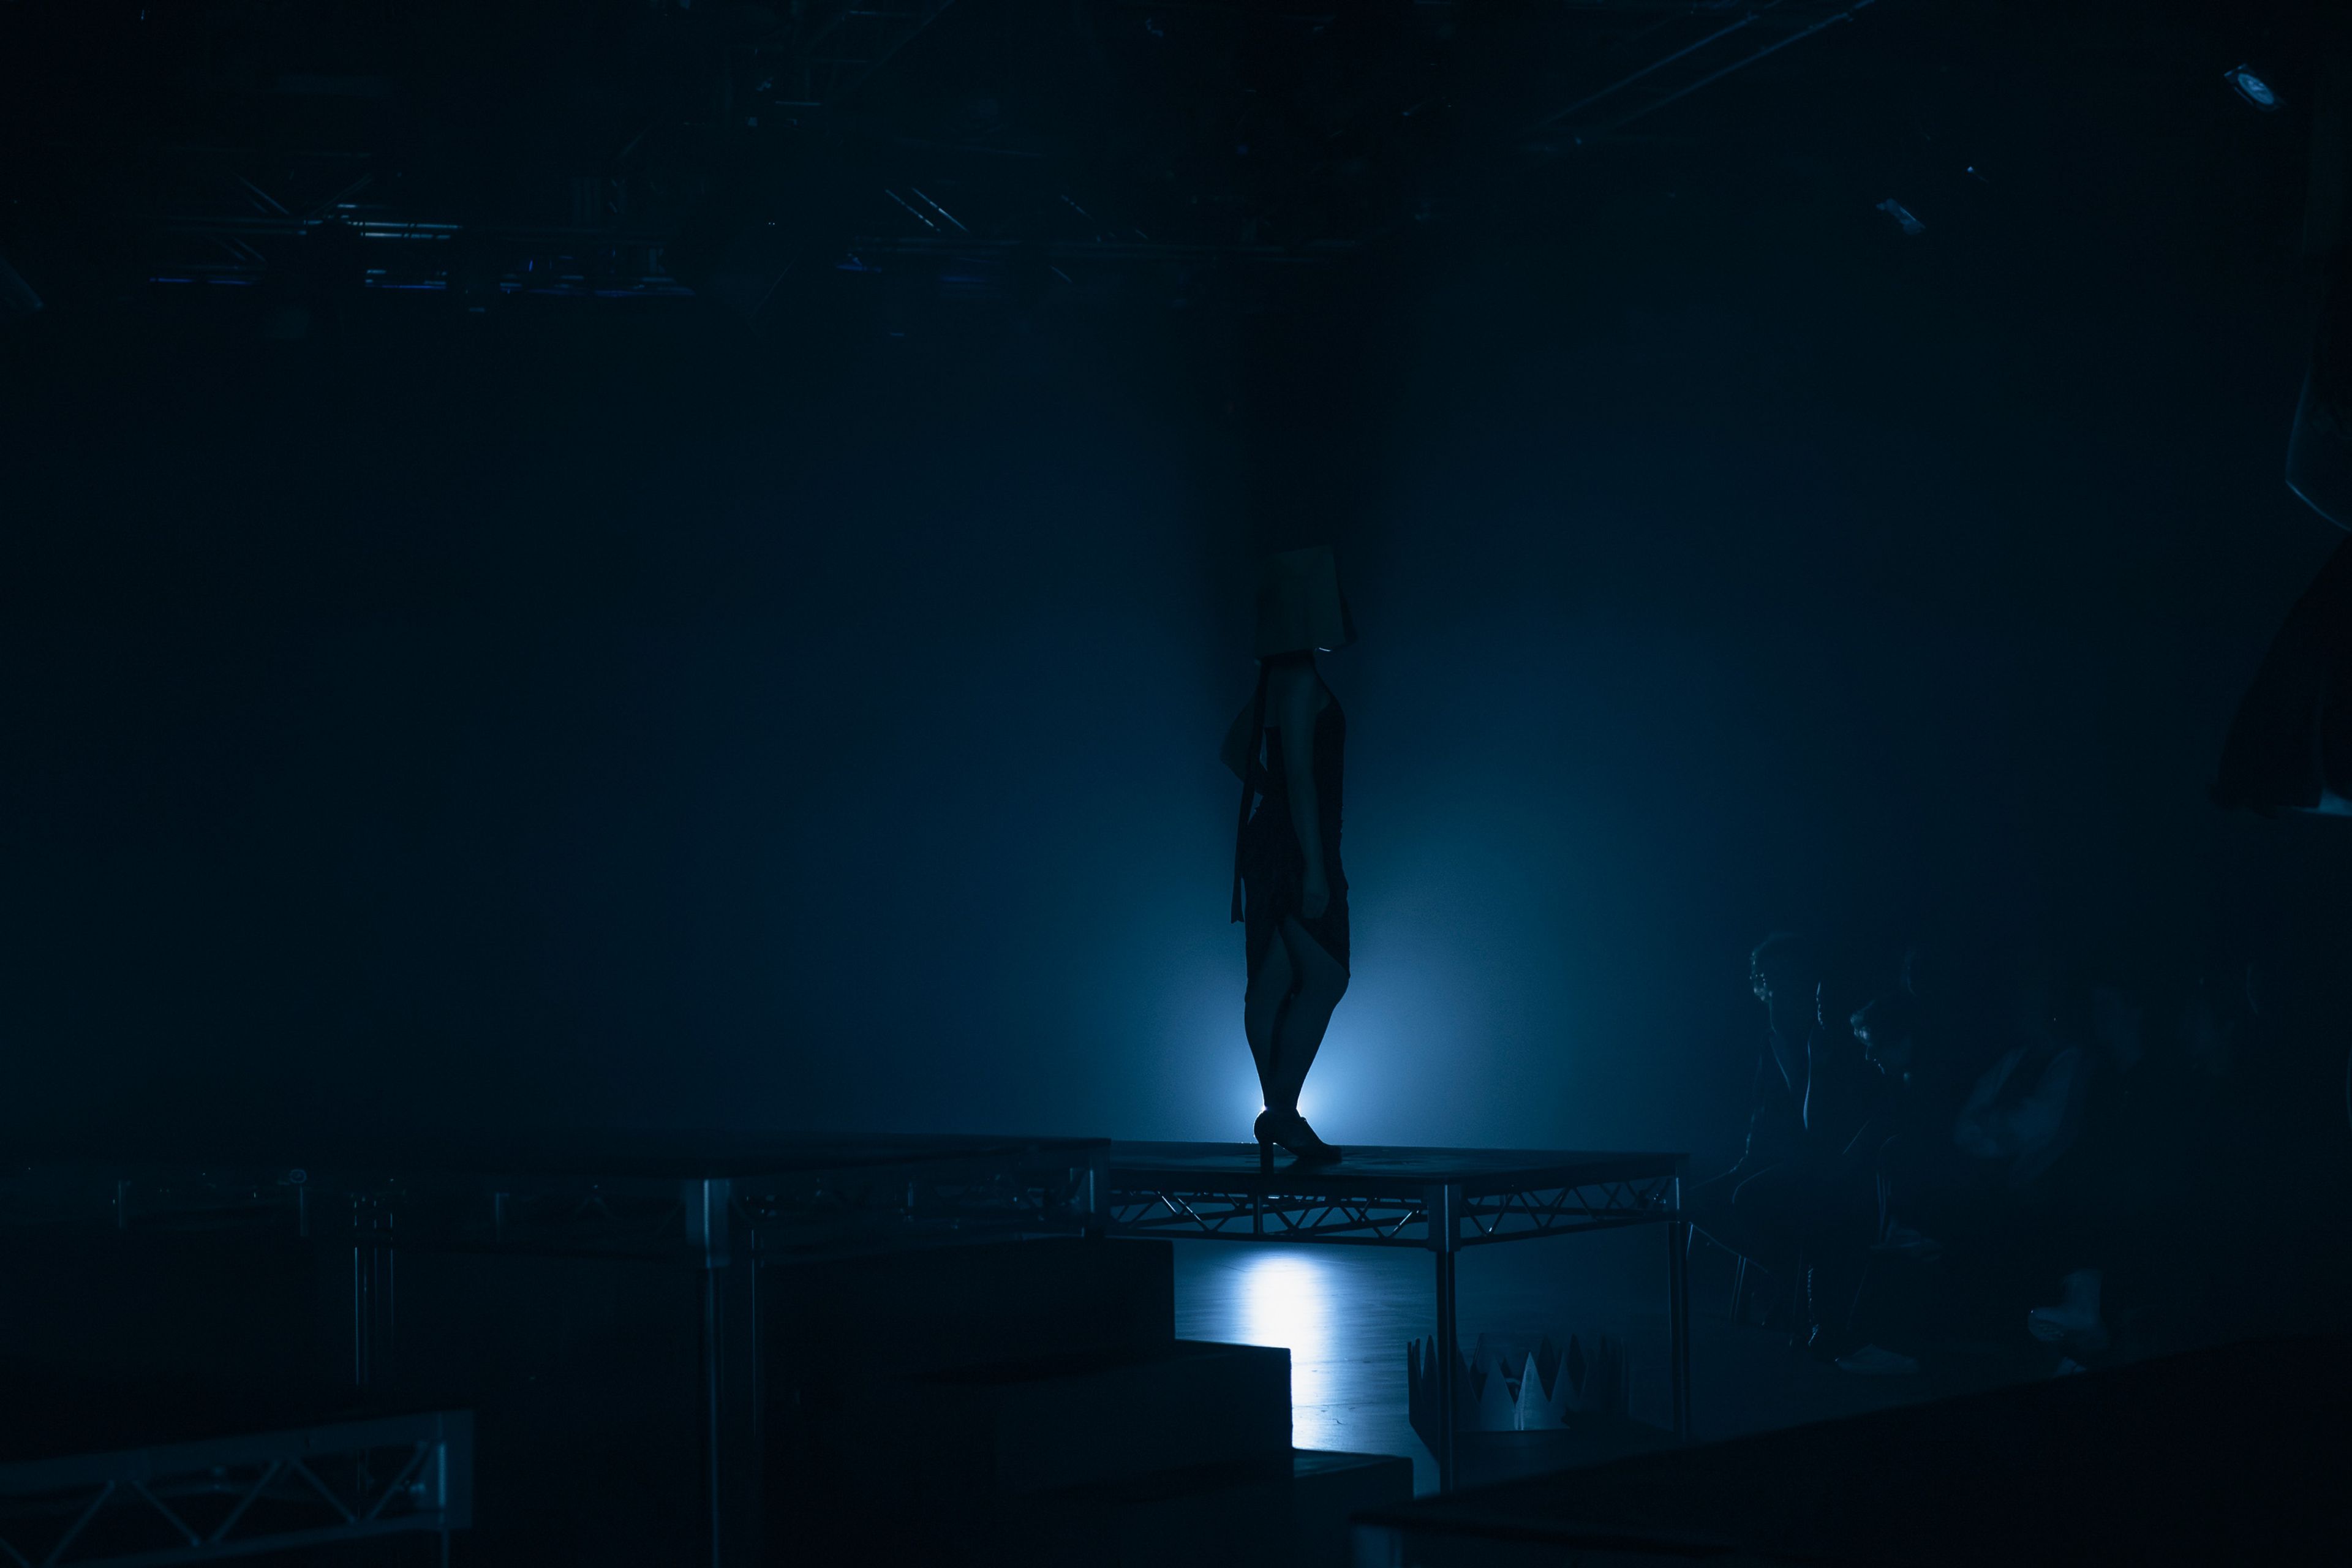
[1289, 1130]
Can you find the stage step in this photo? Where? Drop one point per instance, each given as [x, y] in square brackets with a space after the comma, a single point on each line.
[1328, 1488]
[939, 1465]
[1235, 1516]
[1012, 1428]
[964, 1306]
[1239, 1516]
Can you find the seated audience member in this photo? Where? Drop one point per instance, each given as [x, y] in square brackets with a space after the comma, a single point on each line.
[2122, 1129]
[1907, 1142]
[1924, 1185]
[1784, 973]
[1788, 1204]
[2025, 1113]
[1944, 1002]
[1842, 1088]
[1968, 1164]
[1780, 971]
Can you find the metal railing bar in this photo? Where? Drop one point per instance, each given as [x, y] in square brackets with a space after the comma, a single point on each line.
[220, 1533]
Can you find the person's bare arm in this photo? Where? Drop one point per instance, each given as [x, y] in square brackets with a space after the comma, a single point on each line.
[2044, 1125]
[1290, 703]
[1978, 1129]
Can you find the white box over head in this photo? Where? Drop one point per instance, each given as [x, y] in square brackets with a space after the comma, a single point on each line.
[1299, 606]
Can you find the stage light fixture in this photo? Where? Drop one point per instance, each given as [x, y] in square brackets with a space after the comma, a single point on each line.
[2252, 89]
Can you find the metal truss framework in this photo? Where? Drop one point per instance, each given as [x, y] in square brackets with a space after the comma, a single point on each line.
[598, 227]
[196, 1502]
[828, 49]
[246, 218]
[787, 1214]
[1696, 47]
[1223, 1212]
[398, 250]
[725, 1218]
[1442, 1201]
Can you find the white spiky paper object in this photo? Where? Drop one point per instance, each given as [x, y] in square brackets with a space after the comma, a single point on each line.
[1504, 1385]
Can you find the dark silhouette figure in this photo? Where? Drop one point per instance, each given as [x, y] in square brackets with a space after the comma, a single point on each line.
[1287, 747]
[1791, 1204]
[2290, 746]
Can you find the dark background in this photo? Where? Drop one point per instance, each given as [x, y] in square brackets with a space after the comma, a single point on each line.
[597, 713]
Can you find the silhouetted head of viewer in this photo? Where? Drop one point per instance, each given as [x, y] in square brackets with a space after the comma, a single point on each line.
[1786, 975]
[1883, 1026]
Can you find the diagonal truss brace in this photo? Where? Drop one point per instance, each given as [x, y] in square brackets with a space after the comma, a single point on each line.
[1236, 1212]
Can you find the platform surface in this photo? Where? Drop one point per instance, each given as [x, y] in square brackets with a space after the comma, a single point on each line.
[1378, 1172]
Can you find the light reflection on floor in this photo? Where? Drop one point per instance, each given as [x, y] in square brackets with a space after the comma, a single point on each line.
[1345, 1313]
[1334, 1309]
[1286, 1299]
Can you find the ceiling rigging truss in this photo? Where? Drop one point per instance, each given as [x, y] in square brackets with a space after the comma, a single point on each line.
[828, 49]
[1692, 49]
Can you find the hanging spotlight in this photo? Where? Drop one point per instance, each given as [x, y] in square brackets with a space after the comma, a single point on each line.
[2252, 89]
[1903, 217]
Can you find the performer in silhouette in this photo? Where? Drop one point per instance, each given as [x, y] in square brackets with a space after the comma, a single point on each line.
[1286, 747]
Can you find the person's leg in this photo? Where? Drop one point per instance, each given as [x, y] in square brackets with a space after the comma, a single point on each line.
[1768, 1215]
[1906, 1180]
[1708, 1207]
[1839, 1224]
[1755, 1226]
[1824, 1223]
[1768, 1205]
[1774, 1207]
[2062, 1245]
[1262, 1005]
[1317, 983]
[1712, 1209]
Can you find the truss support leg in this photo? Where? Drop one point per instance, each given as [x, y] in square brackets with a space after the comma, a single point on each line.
[372, 1295]
[1258, 1192]
[1094, 1202]
[1678, 1315]
[732, 1430]
[1448, 1337]
[1444, 1205]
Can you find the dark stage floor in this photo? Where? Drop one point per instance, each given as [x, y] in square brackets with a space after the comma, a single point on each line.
[1346, 1314]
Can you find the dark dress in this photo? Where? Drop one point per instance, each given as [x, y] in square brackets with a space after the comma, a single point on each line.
[1269, 860]
[2293, 733]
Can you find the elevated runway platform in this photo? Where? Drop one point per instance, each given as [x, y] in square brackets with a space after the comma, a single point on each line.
[696, 1226]
[696, 1199]
[727, 1217]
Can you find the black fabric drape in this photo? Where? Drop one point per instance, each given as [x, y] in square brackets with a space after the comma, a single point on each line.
[2293, 733]
[1249, 787]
